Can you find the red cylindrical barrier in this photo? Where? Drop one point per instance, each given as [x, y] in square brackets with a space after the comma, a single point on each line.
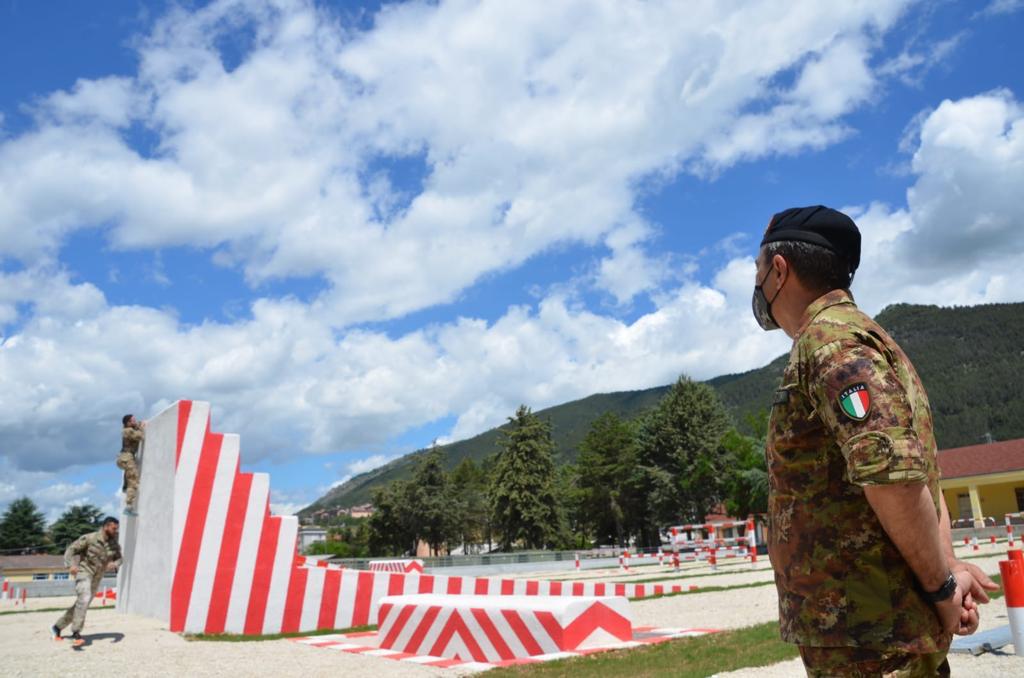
[620, 561]
[577, 562]
[967, 540]
[1009, 532]
[627, 560]
[661, 556]
[992, 540]
[1012, 572]
[713, 558]
[974, 543]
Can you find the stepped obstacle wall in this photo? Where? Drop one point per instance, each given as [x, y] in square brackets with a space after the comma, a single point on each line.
[205, 555]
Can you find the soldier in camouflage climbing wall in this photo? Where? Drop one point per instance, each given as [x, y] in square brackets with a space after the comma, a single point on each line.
[859, 535]
[132, 435]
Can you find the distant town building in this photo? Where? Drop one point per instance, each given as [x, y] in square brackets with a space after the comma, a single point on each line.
[38, 567]
[309, 536]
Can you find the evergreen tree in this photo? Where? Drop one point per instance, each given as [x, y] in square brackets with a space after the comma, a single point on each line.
[522, 496]
[469, 487]
[22, 527]
[607, 460]
[680, 457]
[431, 511]
[746, 479]
[390, 531]
[72, 524]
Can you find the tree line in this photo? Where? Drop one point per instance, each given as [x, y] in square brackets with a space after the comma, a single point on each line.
[23, 528]
[632, 479]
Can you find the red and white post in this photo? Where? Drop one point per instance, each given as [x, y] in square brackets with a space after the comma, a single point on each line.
[620, 562]
[1012, 572]
[577, 562]
[627, 560]
[661, 557]
[1009, 533]
[752, 541]
[974, 543]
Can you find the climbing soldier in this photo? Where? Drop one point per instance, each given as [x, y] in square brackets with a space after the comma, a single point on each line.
[87, 559]
[131, 438]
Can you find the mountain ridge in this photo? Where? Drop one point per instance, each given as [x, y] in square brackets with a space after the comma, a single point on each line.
[967, 357]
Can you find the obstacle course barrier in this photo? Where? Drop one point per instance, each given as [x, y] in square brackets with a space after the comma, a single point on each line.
[205, 555]
[492, 629]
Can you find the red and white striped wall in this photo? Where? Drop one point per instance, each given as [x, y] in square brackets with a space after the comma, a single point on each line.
[233, 566]
[493, 629]
[407, 565]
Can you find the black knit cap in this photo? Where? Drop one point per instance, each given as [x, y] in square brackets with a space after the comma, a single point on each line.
[818, 225]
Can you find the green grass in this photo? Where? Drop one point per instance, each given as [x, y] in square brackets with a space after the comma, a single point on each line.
[240, 638]
[687, 657]
[53, 609]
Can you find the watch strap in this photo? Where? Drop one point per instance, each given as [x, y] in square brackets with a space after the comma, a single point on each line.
[944, 592]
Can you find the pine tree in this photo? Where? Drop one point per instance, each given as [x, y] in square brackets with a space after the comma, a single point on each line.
[22, 527]
[390, 532]
[72, 524]
[432, 512]
[607, 459]
[522, 495]
[469, 487]
[680, 457]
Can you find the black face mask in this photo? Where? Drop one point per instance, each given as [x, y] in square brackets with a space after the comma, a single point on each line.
[762, 307]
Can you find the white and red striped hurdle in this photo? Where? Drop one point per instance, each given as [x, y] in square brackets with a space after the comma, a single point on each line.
[494, 629]
[406, 565]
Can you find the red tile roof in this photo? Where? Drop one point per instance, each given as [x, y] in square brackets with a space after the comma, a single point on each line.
[31, 562]
[976, 460]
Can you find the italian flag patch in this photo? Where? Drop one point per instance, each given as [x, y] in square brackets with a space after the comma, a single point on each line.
[855, 402]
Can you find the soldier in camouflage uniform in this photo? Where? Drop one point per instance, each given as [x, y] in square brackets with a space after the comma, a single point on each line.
[131, 437]
[858, 534]
[87, 559]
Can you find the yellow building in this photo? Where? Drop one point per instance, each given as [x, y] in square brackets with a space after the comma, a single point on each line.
[983, 481]
[32, 568]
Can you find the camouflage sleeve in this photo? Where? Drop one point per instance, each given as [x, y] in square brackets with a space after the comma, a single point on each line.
[133, 434]
[863, 403]
[73, 553]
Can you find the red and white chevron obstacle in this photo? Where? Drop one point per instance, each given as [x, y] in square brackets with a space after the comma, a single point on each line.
[204, 555]
[407, 565]
[492, 629]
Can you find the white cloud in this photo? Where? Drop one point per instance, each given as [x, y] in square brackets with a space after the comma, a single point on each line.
[959, 239]
[1002, 7]
[534, 123]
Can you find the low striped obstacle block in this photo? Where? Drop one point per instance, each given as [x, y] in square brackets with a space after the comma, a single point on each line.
[492, 629]
[402, 565]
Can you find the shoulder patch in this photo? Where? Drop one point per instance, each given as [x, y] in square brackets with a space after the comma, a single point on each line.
[855, 401]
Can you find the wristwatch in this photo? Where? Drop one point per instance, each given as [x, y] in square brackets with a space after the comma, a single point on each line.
[944, 592]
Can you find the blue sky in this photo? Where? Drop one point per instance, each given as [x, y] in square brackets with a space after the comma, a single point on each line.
[356, 230]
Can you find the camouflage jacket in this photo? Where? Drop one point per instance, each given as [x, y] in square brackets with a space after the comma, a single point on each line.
[131, 437]
[92, 553]
[851, 411]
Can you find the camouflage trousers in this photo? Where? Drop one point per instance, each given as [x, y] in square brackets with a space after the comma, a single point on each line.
[856, 662]
[86, 586]
[126, 462]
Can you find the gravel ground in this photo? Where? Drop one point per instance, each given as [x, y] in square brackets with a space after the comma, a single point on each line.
[128, 645]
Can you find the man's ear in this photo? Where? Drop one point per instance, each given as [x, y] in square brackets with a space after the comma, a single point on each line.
[780, 266]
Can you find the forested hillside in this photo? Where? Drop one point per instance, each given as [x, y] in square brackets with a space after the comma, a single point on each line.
[970, 359]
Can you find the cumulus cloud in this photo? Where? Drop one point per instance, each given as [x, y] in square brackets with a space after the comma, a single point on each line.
[533, 123]
[959, 239]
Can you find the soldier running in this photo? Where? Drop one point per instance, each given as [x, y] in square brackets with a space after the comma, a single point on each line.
[87, 559]
[131, 438]
[859, 532]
